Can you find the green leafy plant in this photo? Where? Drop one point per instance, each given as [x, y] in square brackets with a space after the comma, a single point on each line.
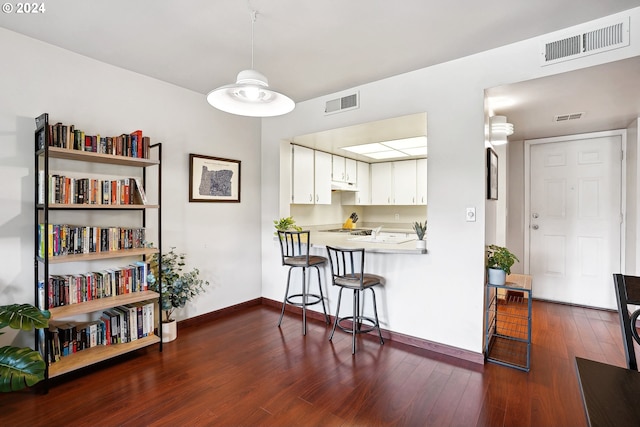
[21, 367]
[420, 229]
[178, 287]
[284, 224]
[500, 258]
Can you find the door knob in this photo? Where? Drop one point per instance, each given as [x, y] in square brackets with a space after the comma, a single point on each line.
[535, 226]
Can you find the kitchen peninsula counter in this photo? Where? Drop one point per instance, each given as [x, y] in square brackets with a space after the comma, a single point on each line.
[322, 239]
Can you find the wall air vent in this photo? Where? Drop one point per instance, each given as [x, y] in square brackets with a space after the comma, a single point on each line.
[567, 117]
[584, 41]
[344, 103]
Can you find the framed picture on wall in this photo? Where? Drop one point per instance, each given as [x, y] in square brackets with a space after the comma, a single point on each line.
[213, 179]
[492, 174]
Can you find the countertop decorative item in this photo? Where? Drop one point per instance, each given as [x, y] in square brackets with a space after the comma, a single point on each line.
[284, 224]
[420, 230]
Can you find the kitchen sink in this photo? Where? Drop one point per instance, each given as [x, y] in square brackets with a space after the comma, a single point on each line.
[354, 231]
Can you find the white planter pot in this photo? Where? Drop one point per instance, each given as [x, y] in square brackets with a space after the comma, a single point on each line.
[421, 244]
[169, 331]
[497, 276]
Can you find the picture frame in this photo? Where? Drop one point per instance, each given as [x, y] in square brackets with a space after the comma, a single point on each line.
[492, 174]
[214, 179]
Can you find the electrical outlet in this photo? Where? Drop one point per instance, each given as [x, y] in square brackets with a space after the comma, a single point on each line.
[471, 214]
[396, 217]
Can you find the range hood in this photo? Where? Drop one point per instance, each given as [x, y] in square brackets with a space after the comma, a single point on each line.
[343, 186]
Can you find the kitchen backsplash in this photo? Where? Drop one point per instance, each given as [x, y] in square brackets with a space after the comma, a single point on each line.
[336, 213]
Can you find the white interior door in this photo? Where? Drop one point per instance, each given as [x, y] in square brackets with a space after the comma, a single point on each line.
[574, 220]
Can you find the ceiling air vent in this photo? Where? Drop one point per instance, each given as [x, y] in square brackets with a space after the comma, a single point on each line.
[583, 41]
[566, 117]
[344, 103]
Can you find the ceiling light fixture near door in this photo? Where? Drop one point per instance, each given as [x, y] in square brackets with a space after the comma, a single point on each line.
[250, 95]
[500, 130]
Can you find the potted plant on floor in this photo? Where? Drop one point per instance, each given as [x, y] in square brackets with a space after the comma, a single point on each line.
[178, 288]
[420, 230]
[499, 262]
[21, 367]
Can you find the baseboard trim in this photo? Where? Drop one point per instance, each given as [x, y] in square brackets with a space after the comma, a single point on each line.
[208, 317]
[458, 353]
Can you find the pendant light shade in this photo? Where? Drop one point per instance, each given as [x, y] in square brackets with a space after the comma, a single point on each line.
[250, 95]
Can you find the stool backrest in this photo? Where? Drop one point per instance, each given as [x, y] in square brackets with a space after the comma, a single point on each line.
[294, 244]
[628, 292]
[346, 263]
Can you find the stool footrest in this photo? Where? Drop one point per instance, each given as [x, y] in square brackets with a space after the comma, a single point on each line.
[312, 299]
[359, 319]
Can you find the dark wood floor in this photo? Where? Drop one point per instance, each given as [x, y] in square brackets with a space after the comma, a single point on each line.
[243, 370]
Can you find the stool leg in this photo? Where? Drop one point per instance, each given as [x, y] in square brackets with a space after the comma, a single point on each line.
[324, 308]
[375, 312]
[335, 323]
[305, 289]
[356, 319]
[286, 294]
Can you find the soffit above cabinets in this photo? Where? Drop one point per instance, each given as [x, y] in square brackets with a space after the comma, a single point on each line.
[390, 129]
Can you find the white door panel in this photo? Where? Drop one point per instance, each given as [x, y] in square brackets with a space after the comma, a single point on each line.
[574, 233]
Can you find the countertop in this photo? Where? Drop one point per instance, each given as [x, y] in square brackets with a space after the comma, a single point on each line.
[321, 239]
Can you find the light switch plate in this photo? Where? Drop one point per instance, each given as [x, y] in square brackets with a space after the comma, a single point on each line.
[471, 214]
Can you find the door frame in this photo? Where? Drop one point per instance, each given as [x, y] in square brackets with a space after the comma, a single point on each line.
[527, 185]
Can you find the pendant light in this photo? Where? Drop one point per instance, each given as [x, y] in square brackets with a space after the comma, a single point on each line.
[250, 95]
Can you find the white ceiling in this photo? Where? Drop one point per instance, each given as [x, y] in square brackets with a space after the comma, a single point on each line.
[308, 49]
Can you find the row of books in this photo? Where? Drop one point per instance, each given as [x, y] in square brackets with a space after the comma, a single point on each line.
[90, 191]
[117, 325]
[77, 288]
[64, 239]
[60, 135]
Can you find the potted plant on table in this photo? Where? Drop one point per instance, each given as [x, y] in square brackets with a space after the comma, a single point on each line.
[420, 230]
[499, 262]
[177, 287]
[285, 224]
[21, 367]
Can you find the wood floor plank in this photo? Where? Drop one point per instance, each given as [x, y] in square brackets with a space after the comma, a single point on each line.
[242, 369]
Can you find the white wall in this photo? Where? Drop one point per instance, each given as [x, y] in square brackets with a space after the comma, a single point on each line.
[439, 296]
[633, 187]
[37, 78]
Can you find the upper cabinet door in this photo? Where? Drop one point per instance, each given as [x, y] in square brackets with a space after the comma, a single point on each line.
[421, 189]
[404, 182]
[302, 187]
[363, 195]
[322, 178]
[381, 183]
[350, 171]
[338, 172]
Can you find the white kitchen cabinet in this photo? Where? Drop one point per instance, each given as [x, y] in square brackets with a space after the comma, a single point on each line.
[363, 195]
[351, 171]
[404, 182]
[310, 176]
[343, 169]
[382, 183]
[302, 175]
[338, 172]
[421, 186]
[322, 178]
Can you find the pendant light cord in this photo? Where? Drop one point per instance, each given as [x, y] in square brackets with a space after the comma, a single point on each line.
[253, 21]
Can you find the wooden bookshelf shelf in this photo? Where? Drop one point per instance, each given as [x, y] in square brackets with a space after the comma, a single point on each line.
[87, 156]
[98, 207]
[101, 304]
[102, 255]
[97, 354]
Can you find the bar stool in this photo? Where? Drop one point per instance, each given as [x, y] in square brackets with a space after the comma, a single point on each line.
[294, 250]
[347, 271]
